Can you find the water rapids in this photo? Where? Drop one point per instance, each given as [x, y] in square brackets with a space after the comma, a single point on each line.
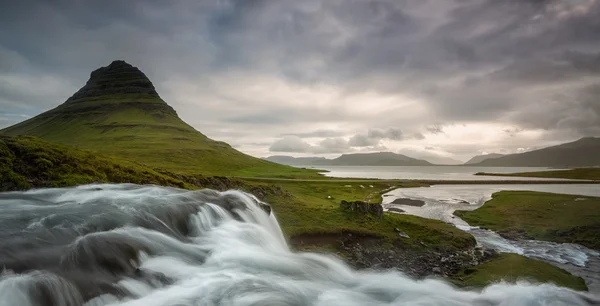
[148, 245]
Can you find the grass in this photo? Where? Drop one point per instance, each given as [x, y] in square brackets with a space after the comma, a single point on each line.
[543, 216]
[511, 268]
[314, 209]
[27, 162]
[146, 130]
[579, 174]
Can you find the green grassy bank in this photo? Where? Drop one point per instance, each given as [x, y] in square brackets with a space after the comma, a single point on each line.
[576, 174]
[543, 216]
[512, 268]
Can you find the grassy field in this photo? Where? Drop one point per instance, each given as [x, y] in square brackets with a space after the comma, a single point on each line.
[542, 216]
[511, 268]
[579, 173]
[146, 130]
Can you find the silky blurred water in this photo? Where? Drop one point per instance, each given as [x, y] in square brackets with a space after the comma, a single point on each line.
[148, 245]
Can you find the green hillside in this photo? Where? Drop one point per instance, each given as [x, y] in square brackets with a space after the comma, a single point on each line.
[574, 174]
[584, 152]
[118, 112]
[29, 162]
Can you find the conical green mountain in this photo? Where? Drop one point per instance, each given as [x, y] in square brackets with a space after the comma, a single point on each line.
[118, 112]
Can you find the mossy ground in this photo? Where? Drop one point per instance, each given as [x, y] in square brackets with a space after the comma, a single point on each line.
[578, 174]
[27, 162]
[311, 211]
[542, 216]
[512, 268]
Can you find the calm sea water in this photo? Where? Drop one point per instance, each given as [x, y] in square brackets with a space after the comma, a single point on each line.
[457, 173]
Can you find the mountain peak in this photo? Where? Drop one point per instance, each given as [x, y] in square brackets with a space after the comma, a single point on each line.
[117, 78]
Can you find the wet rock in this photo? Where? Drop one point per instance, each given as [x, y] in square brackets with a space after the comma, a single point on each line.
[409, 202]
[396, 210]
[363, 208]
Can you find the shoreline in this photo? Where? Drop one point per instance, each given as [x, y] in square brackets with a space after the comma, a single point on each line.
[418, 181]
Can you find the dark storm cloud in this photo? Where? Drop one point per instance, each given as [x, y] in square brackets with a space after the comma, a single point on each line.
[529, 64]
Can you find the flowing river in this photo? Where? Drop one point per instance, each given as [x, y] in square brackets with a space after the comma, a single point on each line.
[442, 200]
[147, 245]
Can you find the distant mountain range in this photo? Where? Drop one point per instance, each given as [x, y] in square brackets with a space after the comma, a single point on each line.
[358, 159]
[584, 152]
[294, 161]
[479, 158]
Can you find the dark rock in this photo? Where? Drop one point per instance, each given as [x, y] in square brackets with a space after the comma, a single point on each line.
[409, 202]
[376, 210]
[363, 208]
[396, 210]
[117, 78]
[368, 252]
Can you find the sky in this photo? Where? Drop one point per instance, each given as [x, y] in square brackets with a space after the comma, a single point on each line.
[436, 79]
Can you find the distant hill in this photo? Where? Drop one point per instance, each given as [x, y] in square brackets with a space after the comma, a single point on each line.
[584, 152]
[294, 161]
[479, 158]
[373, 159]
[118, 112]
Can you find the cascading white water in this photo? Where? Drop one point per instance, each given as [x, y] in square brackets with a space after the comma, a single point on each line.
[148, 245]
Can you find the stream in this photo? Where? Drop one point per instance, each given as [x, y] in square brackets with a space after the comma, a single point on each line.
[442, 200]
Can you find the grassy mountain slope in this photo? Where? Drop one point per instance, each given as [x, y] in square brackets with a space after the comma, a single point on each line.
[584, 152]
[479, 158]
[576, 174]
[119, 113]
[27, 162]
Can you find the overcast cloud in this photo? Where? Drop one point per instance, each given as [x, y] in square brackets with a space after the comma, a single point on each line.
[448, 78]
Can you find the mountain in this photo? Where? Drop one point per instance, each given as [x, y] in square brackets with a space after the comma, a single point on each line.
[294, 161]
[118, 112]
[584, 152]
[373, 159]
[479, 158]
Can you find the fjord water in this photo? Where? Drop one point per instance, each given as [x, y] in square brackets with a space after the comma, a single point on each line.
[442, 200]
[147, 245]
[452, 173]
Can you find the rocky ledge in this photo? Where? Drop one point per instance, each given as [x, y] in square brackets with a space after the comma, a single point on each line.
[363, 208]
[117, 78]
[370, 252]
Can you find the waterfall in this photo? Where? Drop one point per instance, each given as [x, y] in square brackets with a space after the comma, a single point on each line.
[124, 244]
